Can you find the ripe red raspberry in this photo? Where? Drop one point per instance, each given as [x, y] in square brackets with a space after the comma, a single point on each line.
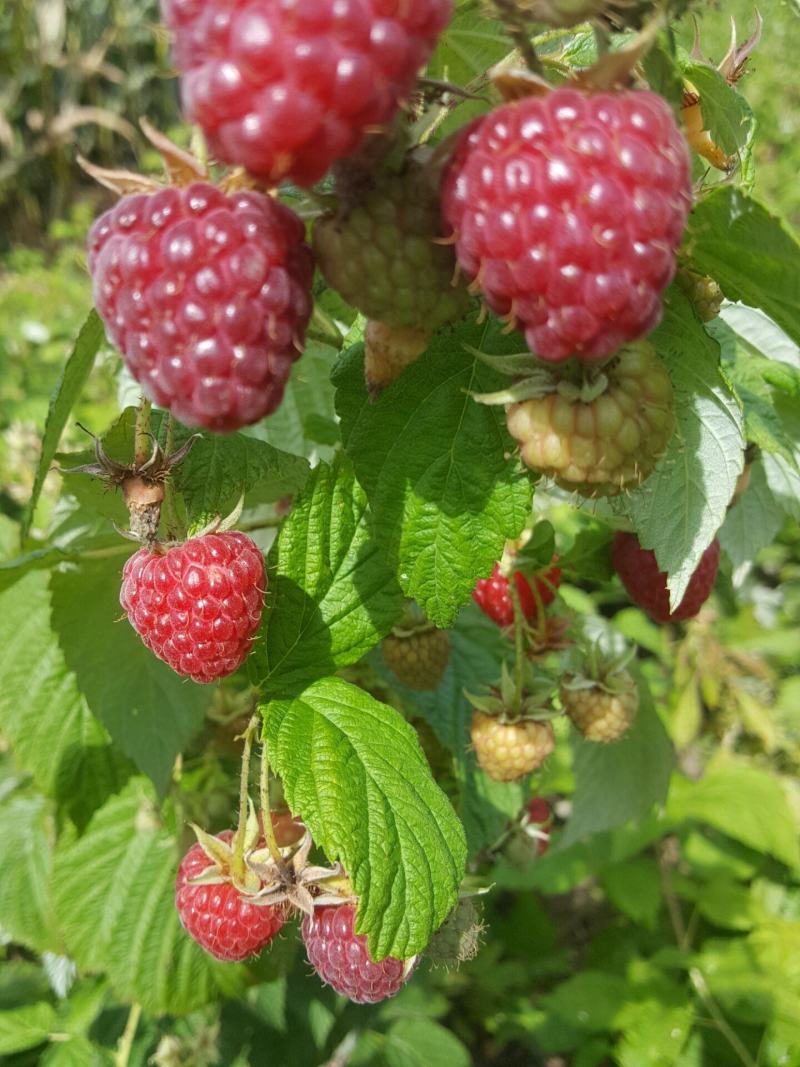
[207, 296]
[567, 210]
[287, 87]
[218, 916]
[198, 605]
[493, 595]
[540, 817]
[647, 585]
[340, 957]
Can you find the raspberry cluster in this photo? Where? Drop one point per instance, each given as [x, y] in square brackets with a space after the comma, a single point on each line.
[207, 296]
[287, 87]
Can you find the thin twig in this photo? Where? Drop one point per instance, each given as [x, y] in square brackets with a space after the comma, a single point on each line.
[696, 976]
[125, 1046]
[519, 643]
[266, 817]
[244, 795]
[518, 32]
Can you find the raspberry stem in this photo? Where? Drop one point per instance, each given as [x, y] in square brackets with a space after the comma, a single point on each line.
[238, 866]
[519, 644]
[266, 817]
[142, 441]
[515, 23]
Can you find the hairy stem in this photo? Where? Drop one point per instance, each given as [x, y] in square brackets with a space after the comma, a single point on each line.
[244, 793]
[125, 1046]
[142, 441]
[518, 31]
[269, 829]
[519, 643]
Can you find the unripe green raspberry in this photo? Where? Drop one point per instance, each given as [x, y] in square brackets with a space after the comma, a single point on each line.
[704, 293]
[418, 658]
[600, 715]
[385, 257]
[613, 439]
[507, 751]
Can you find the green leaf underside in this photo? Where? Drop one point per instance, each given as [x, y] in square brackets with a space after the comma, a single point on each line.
[444, 496]
[75, 374]
[26, 834]
[477, 650]
[331, 595]
[42, 711]
[620, 783]
[680, 507]
[751, 253]
[754, 522]
[149, 711]
[355, 772]
[114, 892]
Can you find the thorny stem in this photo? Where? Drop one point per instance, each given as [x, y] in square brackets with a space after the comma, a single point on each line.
[266, 817]
[125, 1046]
[515, 24]
[519, 643]
[696, 976]
[142, 441]
[244, 793]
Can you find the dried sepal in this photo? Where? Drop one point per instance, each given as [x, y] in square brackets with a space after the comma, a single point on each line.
[182, 167]
[294, 881]
[121, 182]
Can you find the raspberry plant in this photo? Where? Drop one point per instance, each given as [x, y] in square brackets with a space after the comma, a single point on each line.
[453, 472]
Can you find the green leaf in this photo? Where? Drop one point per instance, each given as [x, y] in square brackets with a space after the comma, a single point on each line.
[26, 1027]
[753, 523]
[744, 802]
[77, 1051]
[589, 1001]
[619, 783]
[470, 45]
[150, 712]
[114, 895]
[783, 480]
[751, 253]
[221, 469]
[726, 114]
[26, 842]
[304, 422]
[654, 1033]
[331, 597]
[634, 887]
[423, 1043]
[477, 650]
[73, 378]
[42, 712]
[434, 464]
[365, 791]
[679, 509]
